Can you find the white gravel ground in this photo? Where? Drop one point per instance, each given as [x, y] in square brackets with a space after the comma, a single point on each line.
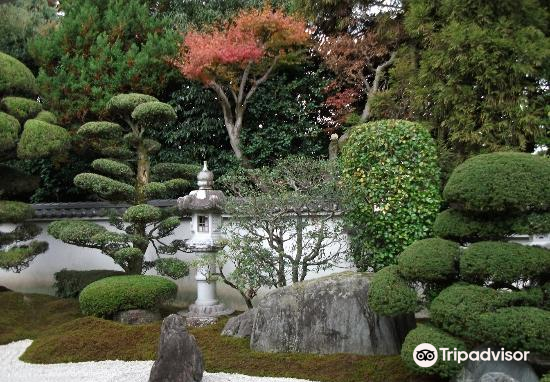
[14, 370]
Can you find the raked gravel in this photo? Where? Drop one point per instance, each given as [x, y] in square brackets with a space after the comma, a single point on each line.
[14, 370]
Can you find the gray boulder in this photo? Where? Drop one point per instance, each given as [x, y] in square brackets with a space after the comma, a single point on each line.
[241, 325]
[326, 315]
[496, 371]
[137, 317]
[179, 358]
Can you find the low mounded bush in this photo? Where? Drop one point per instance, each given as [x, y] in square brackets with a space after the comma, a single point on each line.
[107, 296]
[113, 168]
[390, 295]
[40, 139]
[150, 113]
[104, 186]
[142, 213]
[9, 131]
[15, 77]
[429, 260]
[69, 283]
[498, 182]
[501, 262]
[15, 212]
[518, 328]
[100, 129]
[439, 339]
[21, 108]
[47, 116]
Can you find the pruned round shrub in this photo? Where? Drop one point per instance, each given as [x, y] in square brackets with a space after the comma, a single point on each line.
[173, 268]
[457, 308]
[175, 187]
[142, 213]
[126, 255]
[40, 139]
[107, 296]
[21, 108]
[69, 283]
[497, 182]
[153, 114]
[439, 339]
[15, 77]
[154, 190]
[391, 181]
[123, 105]
[9, 132]
[47, 116]
[77, 232]
[389, 294]
[166, 171]
[15, 212]
[429, 260]
[518, 328]
[104, 186]
[501, 262]
[100, 129]
[113, 168]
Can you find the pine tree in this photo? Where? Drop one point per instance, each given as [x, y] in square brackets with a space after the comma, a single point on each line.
[126, 175]
[40, 137]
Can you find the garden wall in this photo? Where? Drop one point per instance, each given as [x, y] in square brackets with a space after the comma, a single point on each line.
[38, 277]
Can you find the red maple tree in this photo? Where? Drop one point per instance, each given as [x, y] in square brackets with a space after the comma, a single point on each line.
[238, 57]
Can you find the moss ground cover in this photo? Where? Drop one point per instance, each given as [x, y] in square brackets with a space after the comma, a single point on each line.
[62, 334]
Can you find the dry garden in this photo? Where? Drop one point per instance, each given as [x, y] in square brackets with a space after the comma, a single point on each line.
[278, 191]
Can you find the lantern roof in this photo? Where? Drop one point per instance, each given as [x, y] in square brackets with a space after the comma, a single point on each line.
[205, 198]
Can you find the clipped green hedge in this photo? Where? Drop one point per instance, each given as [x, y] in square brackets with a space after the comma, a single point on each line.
[390, 295]
[123, 105]
[9, 132]
[113, 168]
[153, 114]
[391, 184]
[497, 182]
[15, 212]
[457, 226]
[47, 116]
[501, 262]
[15, 77]
[104, 186]
[40, 139]
[457, 308]
[69, 283]
[142, 213]
[76, 232]
[101, 129]
[171, 267]
[107, 296]
[518, 328]
[21, 108]
[166, 171]
[429, 260]
[439, 339]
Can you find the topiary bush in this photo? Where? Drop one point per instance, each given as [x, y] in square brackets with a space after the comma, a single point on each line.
[504, 264]
[69, 283]
[16, 78]
[21, 108]
[390, 295]
[520, 328]
[391, 184]
[41, 138]
[110, 295]
[438, 338]
[429, 260]
[498, 182]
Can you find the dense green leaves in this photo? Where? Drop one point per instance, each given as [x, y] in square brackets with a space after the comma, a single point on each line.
[511, 182]
[142, 213]
[105, 187]
[21, 108]
[100, 130]
[110, 295]
[429, 260]
[170, 267]
[113, 168]
[391, 184]
[69, 283]
[9, 132]
[15, 212]
[40, 139]
[390, 294]
[16, 78]
[153, 114]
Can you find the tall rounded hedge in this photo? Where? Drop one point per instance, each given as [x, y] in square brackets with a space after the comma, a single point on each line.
[107, 296]
[498, 182]
[15, 77]
[391, 181]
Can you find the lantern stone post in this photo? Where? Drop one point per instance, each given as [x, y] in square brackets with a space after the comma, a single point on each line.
[205, 206]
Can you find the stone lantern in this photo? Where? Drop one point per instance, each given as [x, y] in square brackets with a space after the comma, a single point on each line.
[205, 206]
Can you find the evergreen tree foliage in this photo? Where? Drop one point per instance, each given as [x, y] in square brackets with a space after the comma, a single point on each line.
[102, 48]
[22, 136]
[125, 174]
[491, 291]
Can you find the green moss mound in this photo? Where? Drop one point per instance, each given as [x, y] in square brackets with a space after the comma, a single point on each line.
[40, 139]
[105, 297]
[69, 283]
[501, 262]
[21, 108]
[497, 182]
[519, 328]
[16, 78]
[390, 295]
[429, 260]
[439, 339]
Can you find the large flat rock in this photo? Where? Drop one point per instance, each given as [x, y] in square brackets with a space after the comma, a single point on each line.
[326, 315]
